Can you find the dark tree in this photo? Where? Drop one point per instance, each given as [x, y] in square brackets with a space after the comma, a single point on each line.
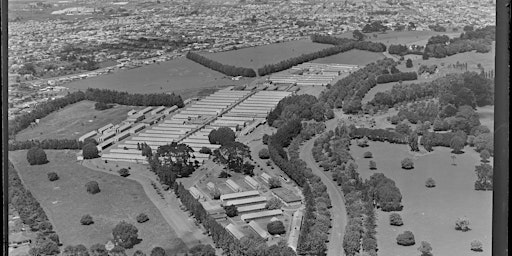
[462, 224]
[457, 144]
[222, 136]
[405, 239]
[202, 250]
[123, 172]
[484, 173]
[403, 128]
[125, 234]
[36, 156]
[407, 163]
[52, 176]
[92, 187]
[430, 183]
[485, 155]
[141, 218]
[425, 249]
[367, 154]
[158, 251]
[224, 175]
[476, 246]
[86, 220]
[98, 250]
[408, 63]
[274, 182]
[139, 253]
[395, 219]
[118, 251]
[358, 35]
[263, 153]
[231, 210]
[205, 150]
[373, 165]
[413, 142]
[276, 228]
[90, 151]
[79, 250]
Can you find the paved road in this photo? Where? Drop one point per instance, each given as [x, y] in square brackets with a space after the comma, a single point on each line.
[338, 211]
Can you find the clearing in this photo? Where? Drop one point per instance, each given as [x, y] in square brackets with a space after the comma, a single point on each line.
[66, 201]
[431, 213]
[74, 121]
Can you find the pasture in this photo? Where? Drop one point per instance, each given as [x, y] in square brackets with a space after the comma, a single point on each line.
[354, 57]
[181, 76]
[74, 121]
[430, 213]
[65, 201]
[259, 56]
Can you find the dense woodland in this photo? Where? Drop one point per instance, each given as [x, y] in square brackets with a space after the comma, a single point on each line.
[222, 68]
[302, 107]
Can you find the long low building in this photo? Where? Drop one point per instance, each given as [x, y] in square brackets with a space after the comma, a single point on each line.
[258, 215]
[246, 201]
[235, 231]
[87, 136]
[293, 239]
[251, 208]
[258, 229]
[239, 195]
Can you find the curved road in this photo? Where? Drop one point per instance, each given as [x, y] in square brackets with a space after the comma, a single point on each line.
[338, 211]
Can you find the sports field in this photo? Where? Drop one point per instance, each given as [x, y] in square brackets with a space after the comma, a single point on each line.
[74, 121]
[431, 213]
[257, 57]
[181, 76]
[353, 57]
[65, 201]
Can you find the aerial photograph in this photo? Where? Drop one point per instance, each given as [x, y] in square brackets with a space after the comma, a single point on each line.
[251, 127]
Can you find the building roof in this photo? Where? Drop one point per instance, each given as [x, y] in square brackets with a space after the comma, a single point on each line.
[232, 196]
[256, 227]
[252, 207]
[249, 200]
[235, 231]
[263, 214]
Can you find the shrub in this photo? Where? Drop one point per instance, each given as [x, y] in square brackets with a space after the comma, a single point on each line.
[430, 183]
[485, 155]
[92, 187]
[86, 220]
[263, 154]
[363, 142]
[124, 172]
[90, 151]
[405, 239]
[274, 182]
[231, 210]
[205, 150]
[408, 63]
[373, 165]
[276, 228]
[36, 156]
[216, 194]
[462, 224]
[265, 138]
[476, 246]
[102, 106]
[158, 251]
[407, 164]
[224, 174]
[141, 218]
[425, 249]
[53, 176]
[367, 154]
[395, 219]
[273, 203]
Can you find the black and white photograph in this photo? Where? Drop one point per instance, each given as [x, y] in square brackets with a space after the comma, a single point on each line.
[255, 127]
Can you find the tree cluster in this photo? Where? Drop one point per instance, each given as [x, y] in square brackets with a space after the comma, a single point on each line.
[46, 144]
[402, 76]
[302, 107]
[235, 156]
[484, 173]
[384, 192]
[222, 68]
[403, 50]
[126, 235]
[221, 136]
[172, 161]
[375, 26]
[378, 135]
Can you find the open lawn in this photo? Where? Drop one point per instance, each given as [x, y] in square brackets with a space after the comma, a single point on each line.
[486, 115]
[181, 76]
[257, 57]
[74, 121]
[431, 213]
[66, 201]
[354, 57]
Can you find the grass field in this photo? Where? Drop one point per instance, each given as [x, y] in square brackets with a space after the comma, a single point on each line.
[431, 213]
[257, 57]
[403, 37]
[74, 121]
[180, 76]
[486, 116]
[66, 201]
[354, 57]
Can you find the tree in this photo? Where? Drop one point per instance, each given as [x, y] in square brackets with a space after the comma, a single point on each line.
[276, 228]
[36, 156]
[425, 249]
[202, 250]
[430, 183]
[146, 150]
[158, 251]
[413, 142]
[52, 176]
[123, 172]
[118, 251]
[205, 150]
[484, 173]
[407, 163]
[125, 234]
[363, 142]
[264, 139]
[476, 246]
[329, 114]
[92, 187]
[222, 136]
[231, 210]
[45, 247]
[462, 224]
[403, 128]
[139, 253]
[98, 250]
[485, 155]
[405, 239]
[274, 182]
[395, 219]
[358, 35]
[86, 220]
[457, 144]
[263, 153]
[216, 194]
[373, 165]
[142, 217]
[273, 203]
[79, 250]
[224, 175]
[90, 151]
[408, 63]
[367, 154]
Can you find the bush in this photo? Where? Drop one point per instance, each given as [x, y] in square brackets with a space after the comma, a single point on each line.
[224, 174]
[92, 187]
[276, 228]
[273, 203]
[53, 176]
[86, 220]
[363, 142]
[125, 235]
[485, 155]
[124, 172]
[430, 183]
[373, 165]
[264, 140]
[36, 156]
[216, 194]
[407, 164]
[405, 239]
[462, 224]
[408, 63]
[231, 210]
[141, 218]
[205, 150]
[367, 154]
[102, 106]
[90, 151]
[476, 246]
[395, 219]
[263, 154]
[274, 182]
[425, 249]
[158, 251]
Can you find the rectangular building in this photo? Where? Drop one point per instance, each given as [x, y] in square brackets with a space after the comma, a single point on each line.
[258, 215]
[251, 182]
[234, 231]
[293, 239]
[247, 201]
[104, 128]
[87, 136]
[240, 195]
[232, 185]
[258, 229]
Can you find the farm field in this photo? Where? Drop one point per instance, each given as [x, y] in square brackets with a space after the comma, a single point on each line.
[74, 121]
[257, 57]
[354, 57]
[401, 37]
[181, 76]
[431, 213]
[66, 201]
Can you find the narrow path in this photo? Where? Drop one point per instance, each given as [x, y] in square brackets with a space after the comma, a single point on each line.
[338, 211]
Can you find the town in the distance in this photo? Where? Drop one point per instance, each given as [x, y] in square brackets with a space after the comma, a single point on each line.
[251, 127]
